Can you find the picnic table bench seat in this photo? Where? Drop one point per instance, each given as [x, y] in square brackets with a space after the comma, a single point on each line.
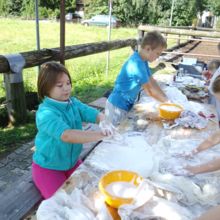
[22, 196]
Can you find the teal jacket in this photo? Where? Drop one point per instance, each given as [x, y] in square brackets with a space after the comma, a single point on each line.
[52, 119]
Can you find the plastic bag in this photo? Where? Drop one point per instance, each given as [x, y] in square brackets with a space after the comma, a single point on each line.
[156, 208]
[65, 207]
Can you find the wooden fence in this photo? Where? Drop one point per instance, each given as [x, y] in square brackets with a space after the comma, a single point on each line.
[193, 34]
[15, 91]
[15, 95]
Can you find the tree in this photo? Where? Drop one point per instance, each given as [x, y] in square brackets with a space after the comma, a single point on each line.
[214, 5]
[14, 7]
[4, 8]
[94, 7]
[55, 4]
[184, 12]
[28, 9]
[131, 12]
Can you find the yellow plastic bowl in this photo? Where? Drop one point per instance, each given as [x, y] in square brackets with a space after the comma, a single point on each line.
[169, 115]
[115, 176]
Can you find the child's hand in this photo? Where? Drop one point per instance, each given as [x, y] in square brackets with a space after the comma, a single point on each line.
[107, 128]
[181, 171]
[188, 154]
[207, 75]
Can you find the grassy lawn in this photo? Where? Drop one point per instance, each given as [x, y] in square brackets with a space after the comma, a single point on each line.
[88, 73]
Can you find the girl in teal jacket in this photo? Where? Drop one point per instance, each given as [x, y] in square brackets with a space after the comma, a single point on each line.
[60, 136]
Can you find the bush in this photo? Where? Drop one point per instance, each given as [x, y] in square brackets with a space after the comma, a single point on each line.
[3, 117]
[28, 9]
[4, 8]
[56, 14]
[43, 13]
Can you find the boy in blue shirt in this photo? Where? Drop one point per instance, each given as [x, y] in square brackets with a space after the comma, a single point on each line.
[134, 75]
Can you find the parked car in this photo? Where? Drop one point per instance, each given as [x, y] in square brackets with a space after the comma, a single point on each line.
[101, 20]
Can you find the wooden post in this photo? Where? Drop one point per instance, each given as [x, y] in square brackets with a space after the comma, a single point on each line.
[178, 39]
[15, 95]
[62, 31]
[140, 35]
[15, 98]
[166, 37]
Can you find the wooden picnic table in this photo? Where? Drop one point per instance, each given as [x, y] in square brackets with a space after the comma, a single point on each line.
[154, 133]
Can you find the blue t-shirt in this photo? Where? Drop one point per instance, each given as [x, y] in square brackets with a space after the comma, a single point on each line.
[134, 73]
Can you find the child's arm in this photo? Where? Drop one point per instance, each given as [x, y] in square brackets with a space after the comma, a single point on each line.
[206, 144]
[81, 137]
[154, 90]
[78, 136]
[209, 142]
[204, 168]
[212, 214]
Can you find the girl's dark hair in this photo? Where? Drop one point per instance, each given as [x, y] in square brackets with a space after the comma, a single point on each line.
[154, 39]
[216, 85]
[47, 77]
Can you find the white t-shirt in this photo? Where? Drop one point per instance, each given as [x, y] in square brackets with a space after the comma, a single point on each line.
[215, 75]
[217, 102]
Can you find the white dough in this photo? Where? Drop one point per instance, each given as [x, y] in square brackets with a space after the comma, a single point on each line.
[122, 189]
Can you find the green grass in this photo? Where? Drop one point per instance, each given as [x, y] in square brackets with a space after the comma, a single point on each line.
[12, 137]
[88, 73]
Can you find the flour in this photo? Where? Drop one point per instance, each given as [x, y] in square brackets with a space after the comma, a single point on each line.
[170, 108]
[130, 155]
[122, 189]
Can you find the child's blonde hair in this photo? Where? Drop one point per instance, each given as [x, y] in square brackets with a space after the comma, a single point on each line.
[47, 77]
[154, 39]
[216, 85]
[213, 65]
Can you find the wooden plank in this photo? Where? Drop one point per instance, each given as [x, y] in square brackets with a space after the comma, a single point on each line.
[191, 54]
[23, 196]
[195, 33]
[196, 39]
[19, 199]
[38, 57]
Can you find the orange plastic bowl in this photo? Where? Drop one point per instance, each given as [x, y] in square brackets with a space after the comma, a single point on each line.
[165, 113]
[115, 176]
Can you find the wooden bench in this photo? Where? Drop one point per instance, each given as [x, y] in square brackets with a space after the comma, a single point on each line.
[23, 197]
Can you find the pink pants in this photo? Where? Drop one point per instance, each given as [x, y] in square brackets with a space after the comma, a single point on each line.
[49, 181]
